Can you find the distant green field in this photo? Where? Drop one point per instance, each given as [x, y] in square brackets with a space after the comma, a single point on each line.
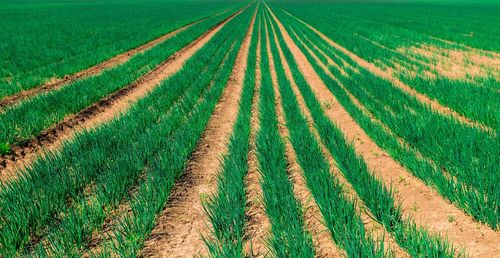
[41, 40]
[268, 128]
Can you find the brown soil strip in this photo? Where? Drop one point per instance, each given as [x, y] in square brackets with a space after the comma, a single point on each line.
[102, 111]
[435, 105]
[257, 225]
[180, 227]
[323, 243]
[417, 200]
[372, 226]
[94, 70]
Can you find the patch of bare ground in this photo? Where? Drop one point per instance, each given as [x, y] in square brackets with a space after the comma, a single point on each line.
[181, 225]
[106, 109]
[433, 104]
[372, 226]
[322, 241]
[463, 65]
[117, 60]
[417, 200]
[257, 224]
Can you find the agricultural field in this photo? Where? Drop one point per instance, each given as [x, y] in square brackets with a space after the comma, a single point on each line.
[238, 128]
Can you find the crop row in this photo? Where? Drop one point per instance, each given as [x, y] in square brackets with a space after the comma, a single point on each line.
[374, 194]
[226, 209]
[22, 122]
[339, 212]
[433, 144]
[289, 236]
[358, 33]
[56, 205]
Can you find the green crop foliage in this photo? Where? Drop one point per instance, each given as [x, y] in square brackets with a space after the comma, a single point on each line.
[100, 160]
[464, 152]
[398, 26]
[5, 148]
[339, 212]
[289, 237]
[28, 119]
[42, 40]
[226, 209]
[375, 195]
[133, 229]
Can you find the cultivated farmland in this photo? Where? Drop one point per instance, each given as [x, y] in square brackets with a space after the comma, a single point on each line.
[228, 128]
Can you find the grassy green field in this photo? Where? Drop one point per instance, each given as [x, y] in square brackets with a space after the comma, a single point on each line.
[279, 128]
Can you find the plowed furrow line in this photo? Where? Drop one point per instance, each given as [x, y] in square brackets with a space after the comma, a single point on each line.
[435, 105]
[182, 224]
[93, 70]
[102, 111]
[257, 224]
[322, 241]
[417, 200]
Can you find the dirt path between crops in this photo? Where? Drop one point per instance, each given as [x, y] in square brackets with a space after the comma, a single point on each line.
[417, 200]
[102, 111]
[180, 227]
[322, 241]
[93, 70]
[372, 226]
[435, 105]
[258, 226]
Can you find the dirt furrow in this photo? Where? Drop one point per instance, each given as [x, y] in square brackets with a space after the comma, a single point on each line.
[417, 200]
[323, 243]
[93, 70]
[372, 226]
[180, 227]
[52, 139]
[257, 225]
[435, 105]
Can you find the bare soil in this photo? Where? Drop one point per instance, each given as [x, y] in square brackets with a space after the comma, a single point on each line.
[180, 227]
[258, 226]
[418, 201]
